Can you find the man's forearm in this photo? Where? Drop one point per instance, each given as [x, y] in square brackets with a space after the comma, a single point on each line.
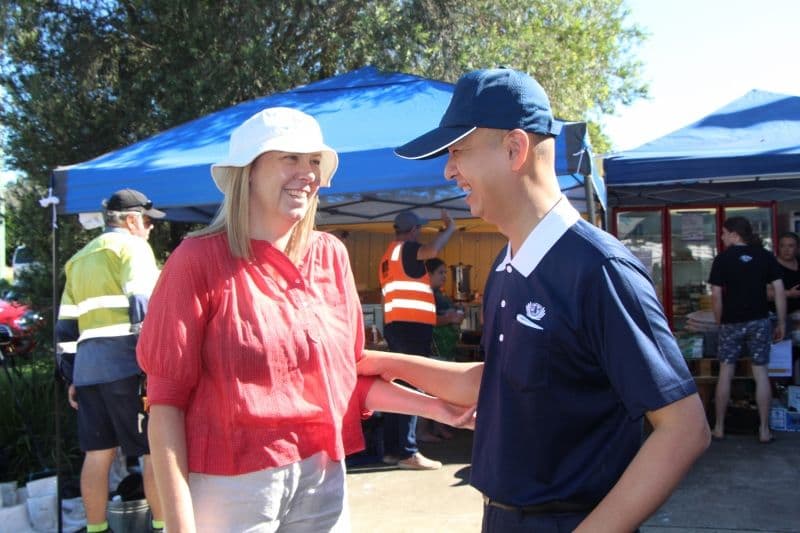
[679, 437]
[441, 240]
[457, 383]
[432, 249]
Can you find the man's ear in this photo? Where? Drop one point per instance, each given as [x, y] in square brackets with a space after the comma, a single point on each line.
[517, 143]
[130, 225]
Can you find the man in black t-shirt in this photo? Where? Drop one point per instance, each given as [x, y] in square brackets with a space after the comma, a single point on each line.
[738, 279]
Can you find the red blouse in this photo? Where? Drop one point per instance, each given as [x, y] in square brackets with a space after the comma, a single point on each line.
[259, 354]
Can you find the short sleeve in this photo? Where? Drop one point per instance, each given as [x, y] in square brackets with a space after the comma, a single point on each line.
[413, 266]
[630, 334]
[138, 269]
[67, 308]
[774, 268]
[170, 345]
[715, 276]
[67, 332]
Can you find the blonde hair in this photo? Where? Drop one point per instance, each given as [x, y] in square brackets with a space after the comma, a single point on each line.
[233, 217]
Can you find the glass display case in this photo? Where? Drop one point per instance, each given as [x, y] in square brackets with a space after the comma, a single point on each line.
[693, 238]
[678, 245]
[641, 232]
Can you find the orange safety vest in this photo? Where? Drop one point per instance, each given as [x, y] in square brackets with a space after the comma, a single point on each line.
[405, 299]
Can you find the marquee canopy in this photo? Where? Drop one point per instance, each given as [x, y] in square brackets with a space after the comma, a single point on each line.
[364, 114]
[747, 150]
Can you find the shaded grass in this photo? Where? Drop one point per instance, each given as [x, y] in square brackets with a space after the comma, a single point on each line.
[28, 446]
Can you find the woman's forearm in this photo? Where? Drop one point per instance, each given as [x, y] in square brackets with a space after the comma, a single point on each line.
[167, 435]
[392, 398]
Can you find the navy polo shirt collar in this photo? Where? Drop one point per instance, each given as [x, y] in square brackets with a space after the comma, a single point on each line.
[546, 233]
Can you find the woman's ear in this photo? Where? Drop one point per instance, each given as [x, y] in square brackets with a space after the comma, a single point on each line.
[517, 143]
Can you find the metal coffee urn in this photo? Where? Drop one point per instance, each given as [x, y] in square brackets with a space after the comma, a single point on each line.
[461, 282]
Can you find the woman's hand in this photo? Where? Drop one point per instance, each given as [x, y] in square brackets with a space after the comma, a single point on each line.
[394, 398]
[793, 292]
[453, 316]
[778, 332]
[457, 416]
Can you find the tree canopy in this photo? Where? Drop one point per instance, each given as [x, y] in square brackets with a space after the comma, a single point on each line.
[81, 77]
[85, 77]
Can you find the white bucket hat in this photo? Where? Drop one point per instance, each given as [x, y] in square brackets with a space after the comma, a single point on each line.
[276, 128]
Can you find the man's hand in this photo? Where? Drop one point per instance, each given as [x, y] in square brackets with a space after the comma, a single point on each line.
[72, 396]
[447, 220]
[373, 365]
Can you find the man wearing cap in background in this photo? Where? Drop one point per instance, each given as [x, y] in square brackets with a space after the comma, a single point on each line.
[577, 348]
[108, 285]
[409, 314]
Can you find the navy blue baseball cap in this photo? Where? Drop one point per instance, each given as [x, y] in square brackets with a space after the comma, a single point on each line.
[498, 98]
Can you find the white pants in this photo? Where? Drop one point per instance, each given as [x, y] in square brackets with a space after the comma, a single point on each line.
[308, 496]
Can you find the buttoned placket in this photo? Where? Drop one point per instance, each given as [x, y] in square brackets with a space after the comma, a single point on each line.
[311, 321]
[298, 295]
[503, 304]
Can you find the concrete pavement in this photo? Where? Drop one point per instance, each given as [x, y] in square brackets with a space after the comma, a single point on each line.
[738, 485]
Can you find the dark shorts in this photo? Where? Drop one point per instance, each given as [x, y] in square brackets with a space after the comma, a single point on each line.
[755, 334]
[111, 415]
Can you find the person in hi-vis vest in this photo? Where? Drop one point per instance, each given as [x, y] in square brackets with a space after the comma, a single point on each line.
[409, 314]
[106, 295]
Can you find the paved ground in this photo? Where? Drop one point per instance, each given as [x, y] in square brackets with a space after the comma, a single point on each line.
[737, 486]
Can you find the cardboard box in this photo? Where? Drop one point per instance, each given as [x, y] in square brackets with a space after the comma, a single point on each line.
[777, 418]
[792, 421]
[793, 396]
[780, 360]
[781, 419]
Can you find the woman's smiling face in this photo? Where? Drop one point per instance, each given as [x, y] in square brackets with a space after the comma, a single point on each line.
[282, 185]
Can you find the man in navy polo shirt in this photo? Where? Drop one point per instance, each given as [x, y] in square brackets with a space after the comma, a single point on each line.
[577, 347]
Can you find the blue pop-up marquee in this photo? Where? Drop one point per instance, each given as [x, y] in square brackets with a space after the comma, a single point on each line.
[364, 115]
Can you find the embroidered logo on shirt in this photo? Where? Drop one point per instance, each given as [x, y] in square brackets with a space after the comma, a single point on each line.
[533, 311]
[745, 258]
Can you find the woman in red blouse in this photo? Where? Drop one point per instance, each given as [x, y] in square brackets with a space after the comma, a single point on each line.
[250, 347]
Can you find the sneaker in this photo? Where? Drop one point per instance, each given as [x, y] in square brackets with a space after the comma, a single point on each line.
[389, 459]
[419, 462]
